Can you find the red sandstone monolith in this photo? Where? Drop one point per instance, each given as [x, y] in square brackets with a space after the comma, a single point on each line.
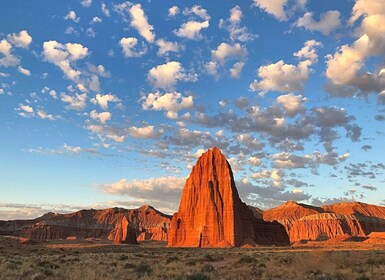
[211, 213]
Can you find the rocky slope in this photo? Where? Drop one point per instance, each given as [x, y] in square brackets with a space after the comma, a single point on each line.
[211, 213]
[347, 219]
[91, 223]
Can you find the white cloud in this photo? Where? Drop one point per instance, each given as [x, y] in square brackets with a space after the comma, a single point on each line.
[236, 70]
[197, 10]
[96, 20]
[211, 68]
[21, 40]
[280, 76]
[328, 22]
[103, 100]
[165, 47]
[235, 14]
[173, 11]
[161, 192]
[75, 102]
[273, 7]
[72, 16]
[254, 161]
[7, 59]
[166, 75]
[237, 33]
[293, 104]
[24, 71]
[344, 67]
[86, 3]
[145, 132]
[225, 51]
[43, 115]
[63, 56]
[170, 102]
[101, 117]
[26, 108]
[192, 29]
[105, 10]
[140, 23]
[129, 47]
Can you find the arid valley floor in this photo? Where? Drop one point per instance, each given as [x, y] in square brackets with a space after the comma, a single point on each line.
[94, 259]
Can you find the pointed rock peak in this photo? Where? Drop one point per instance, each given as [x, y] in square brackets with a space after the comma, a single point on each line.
[291, 203]
[146, 207]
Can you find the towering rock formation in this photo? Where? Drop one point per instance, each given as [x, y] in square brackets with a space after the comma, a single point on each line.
[125, 233]
[211, 213]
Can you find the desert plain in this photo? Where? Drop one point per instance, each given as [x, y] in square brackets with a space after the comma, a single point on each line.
[100, 259]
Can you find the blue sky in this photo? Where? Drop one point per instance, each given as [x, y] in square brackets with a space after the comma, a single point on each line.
[107, 104]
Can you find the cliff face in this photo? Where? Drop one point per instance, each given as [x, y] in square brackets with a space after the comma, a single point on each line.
[90, 223]
[306, 222]
[211, 213]
[124, 232]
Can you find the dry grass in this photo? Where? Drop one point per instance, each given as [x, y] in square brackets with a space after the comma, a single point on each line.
[151, 260]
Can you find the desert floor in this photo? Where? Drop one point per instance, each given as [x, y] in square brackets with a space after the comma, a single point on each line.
[95, 259]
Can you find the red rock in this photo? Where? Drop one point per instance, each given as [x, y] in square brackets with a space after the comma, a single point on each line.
[211, 213]
[125, 233]
[89, 224]
[347, 220]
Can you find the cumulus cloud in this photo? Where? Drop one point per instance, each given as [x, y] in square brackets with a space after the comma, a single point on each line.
[20, 40]
[171, 102]
[75, 102]
[45, 116]
[86, 3]
[103, 100]
[328, 22]
[146, 132]
[129, 47]
[198, 11]
[293, 104]
[101, 117]
[173, 11]
[105, 10]
[140, 22]
[345, 68]
[166, 47]
[7, 59]
[225, 51]
[273, 7]
[236, 31]
[280, 76]
[72, 16]
[64, 56]
[24, 71]
[192, 29]
[161, 192]
[166, 75]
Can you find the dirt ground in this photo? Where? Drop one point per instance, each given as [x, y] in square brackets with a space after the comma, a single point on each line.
[96, 259]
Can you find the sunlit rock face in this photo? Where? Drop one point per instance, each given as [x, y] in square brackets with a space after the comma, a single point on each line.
[211, 213]
[330, 222]
[125, 233]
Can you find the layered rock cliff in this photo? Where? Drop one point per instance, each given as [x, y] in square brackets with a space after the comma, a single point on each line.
[347, 219]
[211, 213]
[91, 223]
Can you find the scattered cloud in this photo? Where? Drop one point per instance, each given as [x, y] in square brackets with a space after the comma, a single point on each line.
[167, 75]
[284, 77]
[72, 16]
[171, 102]
[140, 22]
[129, 47]
[328, 22]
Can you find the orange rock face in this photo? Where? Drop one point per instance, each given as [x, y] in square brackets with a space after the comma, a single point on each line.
[90, 224]
[211, 213]
[125, 233]
[331, 222]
